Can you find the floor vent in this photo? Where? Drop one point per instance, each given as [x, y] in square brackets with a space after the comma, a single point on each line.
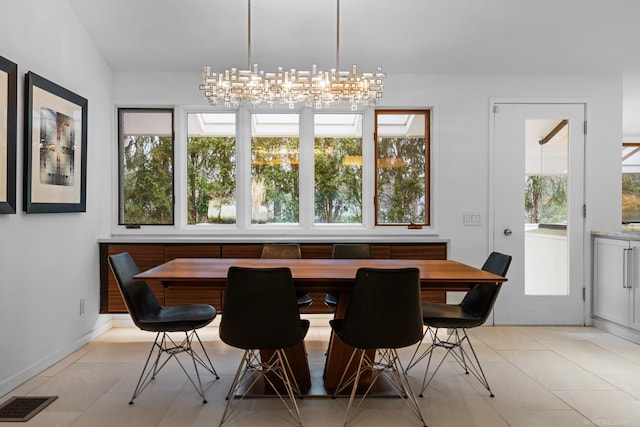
[23, 408]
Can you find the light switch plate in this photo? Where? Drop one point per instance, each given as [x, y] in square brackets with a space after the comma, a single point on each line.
[472, 218]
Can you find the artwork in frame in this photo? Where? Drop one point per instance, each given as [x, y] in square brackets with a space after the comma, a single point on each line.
[8, 134]
[55, 148]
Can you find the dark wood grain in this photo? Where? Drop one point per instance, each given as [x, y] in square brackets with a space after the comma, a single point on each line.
[318, 274]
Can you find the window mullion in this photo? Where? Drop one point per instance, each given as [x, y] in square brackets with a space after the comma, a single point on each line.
[306, 169]
[243, 174]
[180, 172]
[368, 169]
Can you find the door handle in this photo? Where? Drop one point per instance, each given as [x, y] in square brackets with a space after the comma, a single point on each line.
[507, 232]
[628, 265]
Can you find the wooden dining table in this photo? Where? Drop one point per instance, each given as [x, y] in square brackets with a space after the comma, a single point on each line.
[319, 275]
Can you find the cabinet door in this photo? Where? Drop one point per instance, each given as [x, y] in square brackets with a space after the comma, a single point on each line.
[634, 282]
[610, 296]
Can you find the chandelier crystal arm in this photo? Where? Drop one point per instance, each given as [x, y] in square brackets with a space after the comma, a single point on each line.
[313, 88]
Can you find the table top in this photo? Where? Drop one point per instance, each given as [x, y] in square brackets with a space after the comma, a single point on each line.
[203, 269]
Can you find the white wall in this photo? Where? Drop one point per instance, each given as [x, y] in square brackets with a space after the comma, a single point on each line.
[631, 107]
[48, 262]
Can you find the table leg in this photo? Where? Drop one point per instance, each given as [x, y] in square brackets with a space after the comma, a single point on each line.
[297, 356]
[339, 354]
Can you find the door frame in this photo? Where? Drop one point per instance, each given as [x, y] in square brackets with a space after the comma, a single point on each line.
[587, 268]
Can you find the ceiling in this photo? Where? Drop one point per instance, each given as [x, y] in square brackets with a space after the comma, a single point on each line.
[402, 36]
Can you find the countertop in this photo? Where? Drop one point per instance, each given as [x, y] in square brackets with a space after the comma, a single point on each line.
[626, 233]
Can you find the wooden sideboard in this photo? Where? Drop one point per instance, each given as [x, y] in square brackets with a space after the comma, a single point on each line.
[148, 255]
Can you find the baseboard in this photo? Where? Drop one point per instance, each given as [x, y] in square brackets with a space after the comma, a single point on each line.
[103, 324]
[615, 329]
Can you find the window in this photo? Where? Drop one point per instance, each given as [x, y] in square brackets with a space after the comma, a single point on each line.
[631, 182]
[275, 168]
[338, 168]
[211, 168]
[145, 146]
[257, 171]
[402, 167]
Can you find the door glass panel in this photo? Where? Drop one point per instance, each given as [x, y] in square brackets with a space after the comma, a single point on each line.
[631, 183]
[546, 207]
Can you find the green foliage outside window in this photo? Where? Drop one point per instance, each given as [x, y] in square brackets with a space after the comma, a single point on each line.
[211, 179]
[631, 197]
[401, 180]
[338, 180]
[275, 166]
[147, 180]
[147, 195]
[545, 199]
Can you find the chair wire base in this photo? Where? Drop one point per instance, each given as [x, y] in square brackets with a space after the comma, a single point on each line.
[164, 344]
[252, 369]
[453, 342]
[387, 366]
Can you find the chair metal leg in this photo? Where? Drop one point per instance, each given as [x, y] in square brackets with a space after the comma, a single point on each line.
[474, 368]
[251, 370]
[453, 345]
[208, 366]
[164, 344]
[147, 375]
[387, 366]
[415, 359]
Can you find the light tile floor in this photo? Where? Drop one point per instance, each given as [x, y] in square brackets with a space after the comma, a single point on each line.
[541, 376]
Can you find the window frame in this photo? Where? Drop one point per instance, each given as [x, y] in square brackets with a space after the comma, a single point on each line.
[427, 165]
[120, 190]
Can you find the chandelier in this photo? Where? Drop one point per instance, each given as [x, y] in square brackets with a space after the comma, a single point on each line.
[313, 88]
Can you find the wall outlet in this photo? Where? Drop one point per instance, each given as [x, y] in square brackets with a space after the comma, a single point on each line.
[81, 306]
[472, 218]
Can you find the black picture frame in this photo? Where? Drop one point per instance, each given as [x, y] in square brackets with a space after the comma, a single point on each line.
[55, 174]
[8, 134]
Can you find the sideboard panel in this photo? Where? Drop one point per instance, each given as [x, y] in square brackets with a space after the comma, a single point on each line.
[145, 257]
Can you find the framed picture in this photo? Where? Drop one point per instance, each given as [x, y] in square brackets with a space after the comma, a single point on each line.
[8, 128]
[55, 148]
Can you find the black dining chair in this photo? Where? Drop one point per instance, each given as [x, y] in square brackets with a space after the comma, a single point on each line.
[260, 312]
[346, 251]
[148, 315]
[384, 313]
[473, 311]
[287, 251]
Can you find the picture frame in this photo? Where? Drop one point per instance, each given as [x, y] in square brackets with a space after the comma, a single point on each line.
[55, 148]
[8, 134]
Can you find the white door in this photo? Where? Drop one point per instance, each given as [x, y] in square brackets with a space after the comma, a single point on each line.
[538, 195]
